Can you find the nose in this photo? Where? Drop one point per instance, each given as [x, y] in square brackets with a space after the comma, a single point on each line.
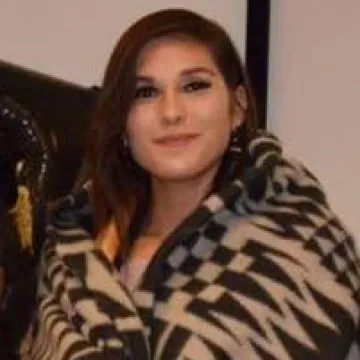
[172, 107]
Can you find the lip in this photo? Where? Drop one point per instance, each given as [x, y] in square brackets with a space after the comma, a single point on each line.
[176, 140]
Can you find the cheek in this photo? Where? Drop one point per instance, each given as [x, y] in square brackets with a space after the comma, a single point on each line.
[216, 119]
[138, 127]
[139, 137]
[138, 142]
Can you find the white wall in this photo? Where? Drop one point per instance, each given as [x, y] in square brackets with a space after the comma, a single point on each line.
[314, 92]
[72, 39]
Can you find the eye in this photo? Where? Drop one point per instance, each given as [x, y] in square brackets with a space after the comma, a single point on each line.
[145, 92]
[197, 85]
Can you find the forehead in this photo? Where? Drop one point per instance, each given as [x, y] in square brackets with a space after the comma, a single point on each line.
[174, 53]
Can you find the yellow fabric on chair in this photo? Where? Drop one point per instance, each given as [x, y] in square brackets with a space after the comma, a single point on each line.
[23, 217]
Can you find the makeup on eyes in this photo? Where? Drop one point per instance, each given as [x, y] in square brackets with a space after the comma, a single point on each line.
[197, 85]
[145, 91]
[191, 79]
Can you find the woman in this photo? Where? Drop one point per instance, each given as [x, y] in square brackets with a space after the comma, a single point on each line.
[195, 238]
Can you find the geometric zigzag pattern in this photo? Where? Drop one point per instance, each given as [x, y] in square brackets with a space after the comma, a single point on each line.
[289, 290]
[263, 300]
[262, 270]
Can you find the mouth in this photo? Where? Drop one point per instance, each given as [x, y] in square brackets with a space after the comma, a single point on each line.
[177, 140]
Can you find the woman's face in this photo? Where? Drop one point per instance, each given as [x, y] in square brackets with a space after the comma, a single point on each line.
[183, 113]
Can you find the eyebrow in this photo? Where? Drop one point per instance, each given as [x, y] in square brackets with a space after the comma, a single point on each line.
[198, 69]
[186, 72]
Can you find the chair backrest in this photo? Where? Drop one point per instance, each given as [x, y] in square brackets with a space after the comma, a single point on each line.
[62, 111]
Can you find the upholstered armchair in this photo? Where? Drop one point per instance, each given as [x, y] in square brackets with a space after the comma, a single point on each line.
[43, 124]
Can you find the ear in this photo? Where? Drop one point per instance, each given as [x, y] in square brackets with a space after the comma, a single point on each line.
[240, 105]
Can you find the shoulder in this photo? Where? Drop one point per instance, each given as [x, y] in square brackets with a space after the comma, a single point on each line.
[71, 211]
[68, 230]
[295, 227]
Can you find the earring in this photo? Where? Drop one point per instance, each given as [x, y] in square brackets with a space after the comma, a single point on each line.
[235, 144]
[233, 161]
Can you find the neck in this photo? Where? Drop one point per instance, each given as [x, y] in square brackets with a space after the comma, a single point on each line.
[173, 202]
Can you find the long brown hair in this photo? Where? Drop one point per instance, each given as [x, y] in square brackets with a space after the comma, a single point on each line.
[120, 188]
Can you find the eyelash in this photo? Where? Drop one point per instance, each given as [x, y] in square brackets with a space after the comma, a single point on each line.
[197, 85]
[145, 92]
[148, 91]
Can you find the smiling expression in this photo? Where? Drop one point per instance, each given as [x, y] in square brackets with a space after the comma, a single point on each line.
[183, 112]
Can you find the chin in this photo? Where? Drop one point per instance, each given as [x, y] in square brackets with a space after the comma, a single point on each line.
[188, 173]
[175, 176]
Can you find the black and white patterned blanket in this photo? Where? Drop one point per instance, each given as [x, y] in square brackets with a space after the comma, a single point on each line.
[262, 270]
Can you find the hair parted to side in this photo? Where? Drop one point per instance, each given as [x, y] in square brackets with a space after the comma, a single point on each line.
[120, 188]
